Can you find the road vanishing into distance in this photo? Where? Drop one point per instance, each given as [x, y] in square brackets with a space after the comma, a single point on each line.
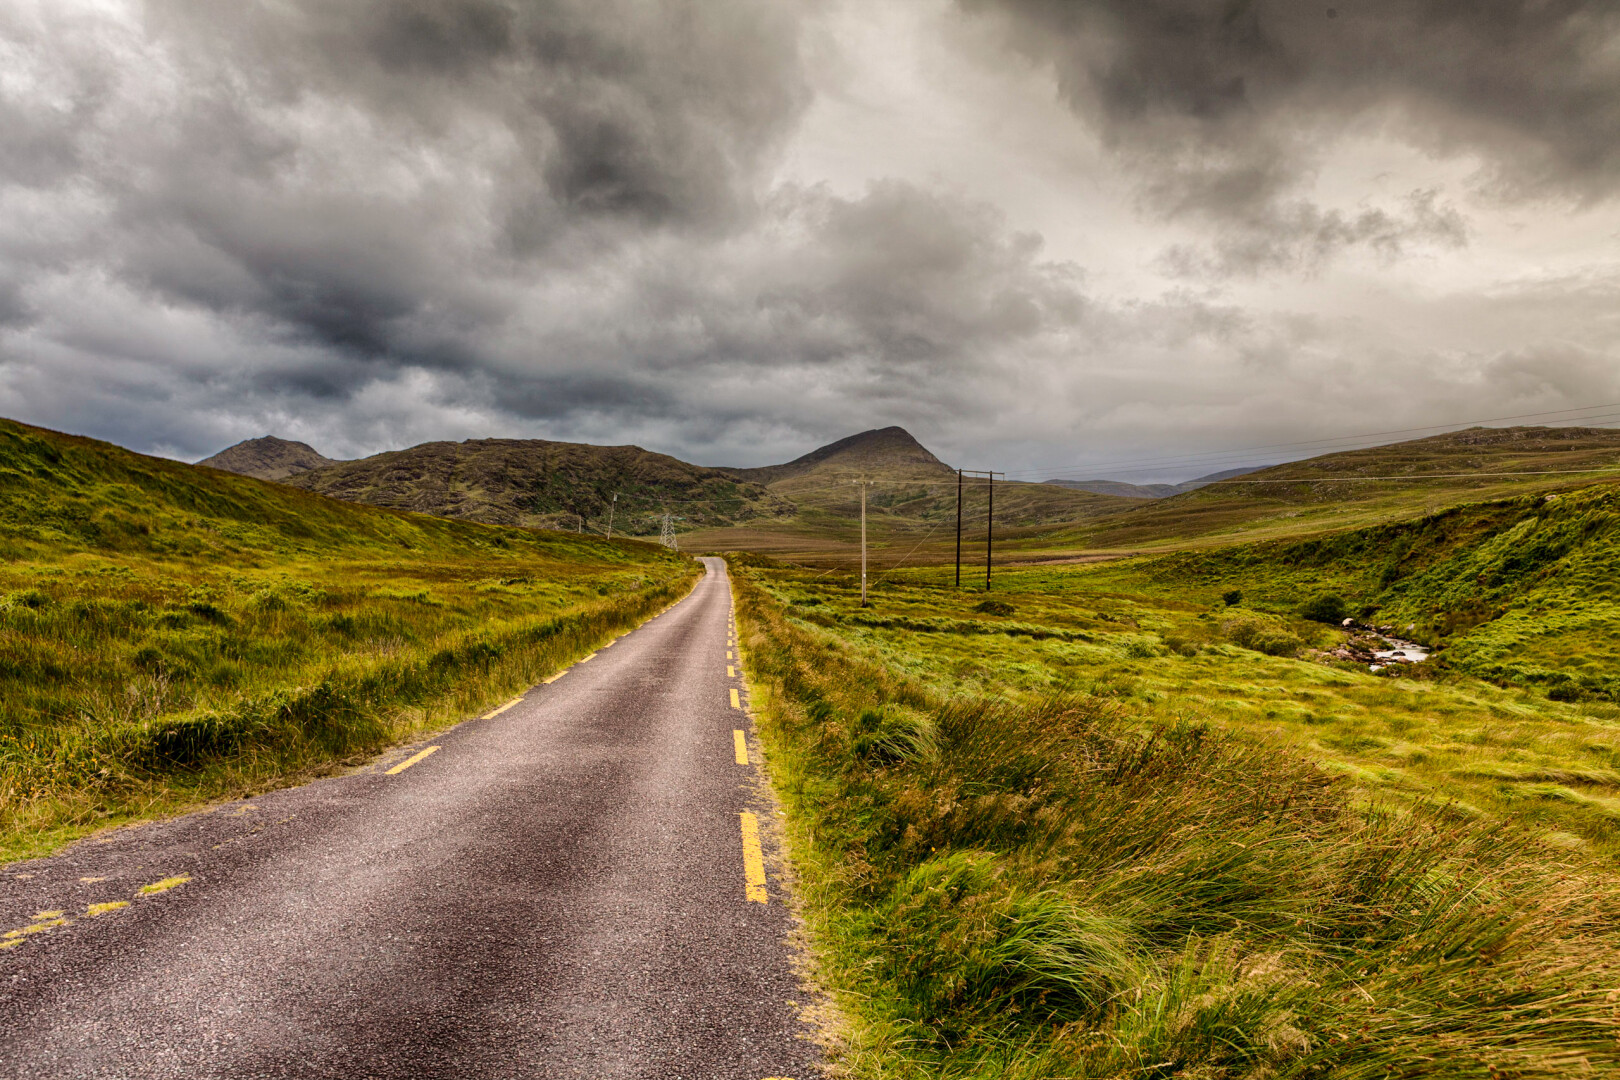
[571, 886]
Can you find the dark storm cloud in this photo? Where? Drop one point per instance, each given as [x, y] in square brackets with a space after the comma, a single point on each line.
[373, 177]
[1226, 107]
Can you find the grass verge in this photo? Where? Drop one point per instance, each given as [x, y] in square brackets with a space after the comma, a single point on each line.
[1050, 887]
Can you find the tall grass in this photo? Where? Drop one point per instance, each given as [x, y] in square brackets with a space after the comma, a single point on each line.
[170, 634]
[1053, 889]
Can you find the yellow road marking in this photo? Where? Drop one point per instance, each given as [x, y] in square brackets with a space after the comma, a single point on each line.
[163, 886]
[729, 656]
[503, 708]
[739, 746]
[93, 910]
[736, 703]
[731, 672]
[555, 677]
[753, 859]
[412, 760]
[34, 928]
[40, 916]
[582, 659]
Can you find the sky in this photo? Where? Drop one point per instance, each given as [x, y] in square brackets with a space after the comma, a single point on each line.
[1127, 238]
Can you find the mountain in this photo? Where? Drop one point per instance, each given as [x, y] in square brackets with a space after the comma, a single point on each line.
[911, 499]
[889, 452]
[1355, 488]
[543, 484]
[268, 458]
[1151, 491]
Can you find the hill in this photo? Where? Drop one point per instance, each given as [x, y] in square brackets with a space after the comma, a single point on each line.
[268, 458]
[911, 500]
[1355, 488]
[171, 633]
[1152, 491]
[541, 484]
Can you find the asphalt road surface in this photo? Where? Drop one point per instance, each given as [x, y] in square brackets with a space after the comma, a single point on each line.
[565, 889]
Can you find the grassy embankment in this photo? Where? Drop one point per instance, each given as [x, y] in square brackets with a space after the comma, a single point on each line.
[1089, 834]
[170, 634]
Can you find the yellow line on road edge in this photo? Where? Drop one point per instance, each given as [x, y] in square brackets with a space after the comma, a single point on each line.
[739, 746]
[753, 859]
[503, 708]
[736, 703]
[731, 672]
[582, 659]
[728, 655]
[412, 760]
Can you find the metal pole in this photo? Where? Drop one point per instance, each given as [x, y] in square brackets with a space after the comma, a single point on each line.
[958, 528]
[989, 531]
[863, 543]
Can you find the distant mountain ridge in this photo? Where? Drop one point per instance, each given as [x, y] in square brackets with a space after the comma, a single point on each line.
[542, 484]
[1153, 491]
[268, 458]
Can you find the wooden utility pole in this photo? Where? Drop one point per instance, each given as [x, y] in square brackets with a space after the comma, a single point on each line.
[863, 543]
[958, 528]
[611, 507]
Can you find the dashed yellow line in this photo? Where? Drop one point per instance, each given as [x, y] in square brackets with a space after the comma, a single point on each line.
[739, 746]
[736, 702]
[731, 672]
[729, 656]
[412, 760]
[753, 859]
[166, 884]
[494, 713]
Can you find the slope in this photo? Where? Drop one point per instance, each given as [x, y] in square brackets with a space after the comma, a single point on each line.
[1523, 590]
[1356, 488]
[171, 633]
[537, 483]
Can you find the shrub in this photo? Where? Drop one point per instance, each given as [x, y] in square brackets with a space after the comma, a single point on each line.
[1232, 597]
[993, 607]
[1263, 637]
[1325, 607]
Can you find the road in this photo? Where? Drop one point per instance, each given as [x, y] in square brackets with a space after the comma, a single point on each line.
[563, 889]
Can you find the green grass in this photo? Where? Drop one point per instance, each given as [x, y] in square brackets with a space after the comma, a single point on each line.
[170, 634]
[1094, 836]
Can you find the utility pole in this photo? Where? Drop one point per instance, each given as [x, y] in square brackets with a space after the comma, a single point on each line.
[666, 535]
[990, 478]
[863, 543]
[959, 529]
[611, 507]
[989, 530]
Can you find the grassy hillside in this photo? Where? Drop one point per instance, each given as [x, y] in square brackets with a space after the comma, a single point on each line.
[541, 484]
[170, 633]
[1361, 487]
[1071, 829]
[1523, 590]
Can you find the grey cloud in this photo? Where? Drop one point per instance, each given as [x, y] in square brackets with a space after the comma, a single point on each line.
[381, 178]
[1225, 109]
[1300, 236]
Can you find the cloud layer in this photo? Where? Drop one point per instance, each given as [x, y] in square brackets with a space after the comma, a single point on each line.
[375, 223]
